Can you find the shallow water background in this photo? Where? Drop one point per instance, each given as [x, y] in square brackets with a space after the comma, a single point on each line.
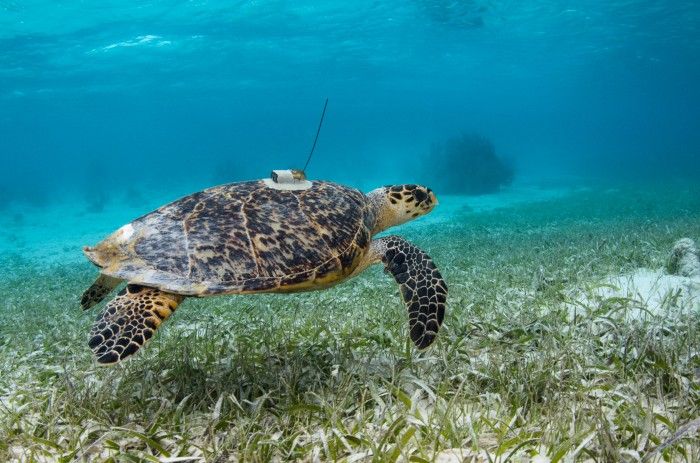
[117, 109]
[109, 110]
[121, 101]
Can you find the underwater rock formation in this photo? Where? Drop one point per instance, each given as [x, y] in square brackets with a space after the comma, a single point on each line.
[684, 259]
[468, 165]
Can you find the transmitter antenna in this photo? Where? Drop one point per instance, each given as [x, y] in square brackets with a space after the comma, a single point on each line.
[318, 131]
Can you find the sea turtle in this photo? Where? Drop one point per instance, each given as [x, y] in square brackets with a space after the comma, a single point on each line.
[255, 237]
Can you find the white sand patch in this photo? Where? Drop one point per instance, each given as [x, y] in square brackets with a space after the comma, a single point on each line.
[457, 204]
[647, 292]
[451, 206]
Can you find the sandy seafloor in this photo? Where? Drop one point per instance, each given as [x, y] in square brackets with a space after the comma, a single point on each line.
[594, 254]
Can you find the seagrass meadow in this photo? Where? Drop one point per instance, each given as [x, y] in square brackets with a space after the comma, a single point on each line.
[561, 139]
[531, 364]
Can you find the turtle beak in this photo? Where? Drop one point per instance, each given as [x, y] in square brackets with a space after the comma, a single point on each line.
[433, 198]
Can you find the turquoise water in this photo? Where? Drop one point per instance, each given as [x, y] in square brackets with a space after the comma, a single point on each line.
[118, 105]
[116, 99]
[561, 138]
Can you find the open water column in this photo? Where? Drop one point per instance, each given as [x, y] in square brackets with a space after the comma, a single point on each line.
[483, 217]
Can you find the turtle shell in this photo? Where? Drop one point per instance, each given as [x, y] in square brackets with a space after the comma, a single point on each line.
[243, 237]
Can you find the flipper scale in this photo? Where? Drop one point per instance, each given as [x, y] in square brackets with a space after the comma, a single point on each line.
[129, 321]
[423, 290]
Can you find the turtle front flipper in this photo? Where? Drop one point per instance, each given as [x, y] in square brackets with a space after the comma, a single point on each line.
[423, 290]
[98, 290]
[129, 321]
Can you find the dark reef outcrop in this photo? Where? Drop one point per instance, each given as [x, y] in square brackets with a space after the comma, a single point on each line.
[469, 165]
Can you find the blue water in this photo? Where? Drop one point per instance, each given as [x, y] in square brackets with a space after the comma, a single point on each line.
[113, 100]
[561, 137]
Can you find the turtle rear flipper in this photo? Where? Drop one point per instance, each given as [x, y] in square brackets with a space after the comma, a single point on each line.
[129, 321]
[423, 290]
[98, 290]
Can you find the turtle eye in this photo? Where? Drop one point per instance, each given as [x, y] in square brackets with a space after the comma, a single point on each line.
[420, 195]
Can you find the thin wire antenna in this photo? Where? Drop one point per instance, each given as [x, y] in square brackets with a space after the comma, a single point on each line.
[320, 123]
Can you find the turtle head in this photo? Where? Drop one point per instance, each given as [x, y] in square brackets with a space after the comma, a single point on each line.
[398, 204]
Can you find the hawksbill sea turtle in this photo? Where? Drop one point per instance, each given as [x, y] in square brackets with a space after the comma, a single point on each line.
[258, 237]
